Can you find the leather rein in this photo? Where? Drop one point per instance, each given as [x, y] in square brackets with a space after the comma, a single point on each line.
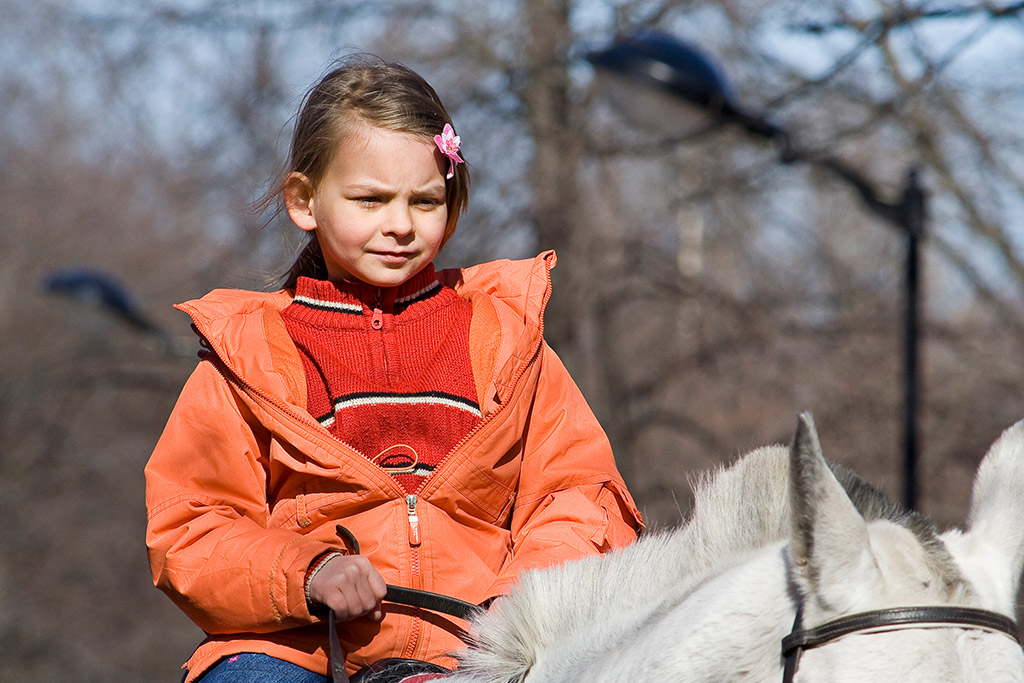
[896, 618]
[410, 597]
[402, 596]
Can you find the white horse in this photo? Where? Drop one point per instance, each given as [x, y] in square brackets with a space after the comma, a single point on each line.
[780, 533]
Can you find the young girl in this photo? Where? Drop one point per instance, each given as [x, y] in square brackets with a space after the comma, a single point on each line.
[371, 401]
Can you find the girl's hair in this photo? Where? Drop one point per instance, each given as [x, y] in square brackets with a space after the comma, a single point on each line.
[387, 95]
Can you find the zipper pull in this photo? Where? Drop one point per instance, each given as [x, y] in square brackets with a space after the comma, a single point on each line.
[414, 520]
[378, 315]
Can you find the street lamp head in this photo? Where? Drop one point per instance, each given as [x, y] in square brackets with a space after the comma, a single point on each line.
[683, 72]
[671, 65]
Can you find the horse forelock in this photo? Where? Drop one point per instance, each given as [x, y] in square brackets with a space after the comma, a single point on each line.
[745, 506]
[873, 504]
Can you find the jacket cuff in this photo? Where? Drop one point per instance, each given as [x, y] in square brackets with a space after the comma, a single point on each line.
[288, 581]
[315, 566]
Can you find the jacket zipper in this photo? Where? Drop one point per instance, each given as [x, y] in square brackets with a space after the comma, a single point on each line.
[414, 521]
[413, 640]
[412, 500]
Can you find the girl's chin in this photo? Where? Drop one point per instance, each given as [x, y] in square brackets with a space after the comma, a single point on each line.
[383, 276]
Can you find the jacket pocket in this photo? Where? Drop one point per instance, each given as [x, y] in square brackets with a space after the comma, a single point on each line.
[306, 510]
[478, 496]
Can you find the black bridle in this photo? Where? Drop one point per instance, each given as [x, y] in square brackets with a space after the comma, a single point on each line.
[886, 620]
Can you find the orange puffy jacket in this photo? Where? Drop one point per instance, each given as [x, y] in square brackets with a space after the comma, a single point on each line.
[244, 488]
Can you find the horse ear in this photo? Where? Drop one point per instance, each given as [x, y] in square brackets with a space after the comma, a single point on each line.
[829, 541]
[997, 508]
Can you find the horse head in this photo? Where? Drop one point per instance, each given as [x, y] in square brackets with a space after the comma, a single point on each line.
[844, 562]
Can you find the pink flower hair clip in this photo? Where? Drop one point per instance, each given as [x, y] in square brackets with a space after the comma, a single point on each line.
[448, 142]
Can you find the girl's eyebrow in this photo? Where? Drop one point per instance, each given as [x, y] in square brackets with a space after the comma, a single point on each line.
[432, 188]
[367, 187]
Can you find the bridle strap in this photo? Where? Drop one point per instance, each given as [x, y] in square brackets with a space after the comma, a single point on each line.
[900, 616]
[791, 657]
[897, 617]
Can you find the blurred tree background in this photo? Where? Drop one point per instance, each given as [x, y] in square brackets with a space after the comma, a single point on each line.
[705, 292]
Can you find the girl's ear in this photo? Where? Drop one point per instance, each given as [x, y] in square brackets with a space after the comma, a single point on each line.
[298, 199]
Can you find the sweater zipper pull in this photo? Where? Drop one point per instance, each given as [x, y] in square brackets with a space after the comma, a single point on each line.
[378, 315]
[414, 520]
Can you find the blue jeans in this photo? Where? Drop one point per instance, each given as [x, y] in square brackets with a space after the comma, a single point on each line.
[259, 668]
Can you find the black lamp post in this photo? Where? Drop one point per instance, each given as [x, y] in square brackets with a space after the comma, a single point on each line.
[680, 70]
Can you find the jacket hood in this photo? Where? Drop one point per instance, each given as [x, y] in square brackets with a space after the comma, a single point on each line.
[245, 331]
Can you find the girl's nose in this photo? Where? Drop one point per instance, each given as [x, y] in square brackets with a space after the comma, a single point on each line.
[399, 221]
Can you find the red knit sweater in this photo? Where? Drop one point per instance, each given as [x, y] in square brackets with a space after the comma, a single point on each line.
[388, 369]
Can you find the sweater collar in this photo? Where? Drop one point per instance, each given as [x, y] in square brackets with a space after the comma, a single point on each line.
[356, 296]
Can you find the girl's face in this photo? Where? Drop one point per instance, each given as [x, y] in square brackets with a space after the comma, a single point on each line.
[380, 212]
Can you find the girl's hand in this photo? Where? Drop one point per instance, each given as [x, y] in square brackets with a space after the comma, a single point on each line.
[350, 586]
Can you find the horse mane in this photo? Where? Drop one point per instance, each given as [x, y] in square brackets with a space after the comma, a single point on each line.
[737, 510]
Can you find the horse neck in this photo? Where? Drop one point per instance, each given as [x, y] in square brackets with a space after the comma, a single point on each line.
[726, 628]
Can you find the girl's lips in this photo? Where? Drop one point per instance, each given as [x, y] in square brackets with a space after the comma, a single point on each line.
[394, 256]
